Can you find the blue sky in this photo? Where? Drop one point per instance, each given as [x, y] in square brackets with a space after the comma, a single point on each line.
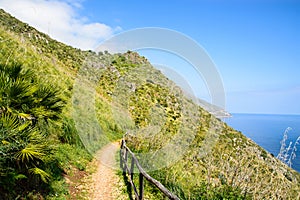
[254, 44]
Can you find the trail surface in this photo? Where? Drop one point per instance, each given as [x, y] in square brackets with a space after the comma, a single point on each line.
[105, 180]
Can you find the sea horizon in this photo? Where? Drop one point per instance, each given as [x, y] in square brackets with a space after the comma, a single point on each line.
[267, 130]
[245, 113]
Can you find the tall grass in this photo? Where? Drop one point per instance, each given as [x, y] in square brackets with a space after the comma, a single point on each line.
[287, 153]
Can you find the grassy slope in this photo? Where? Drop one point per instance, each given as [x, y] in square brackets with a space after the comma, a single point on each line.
[56, 64]
[133, 96]
[217, 161]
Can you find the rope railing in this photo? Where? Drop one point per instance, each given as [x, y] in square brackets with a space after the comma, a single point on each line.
[139, 193]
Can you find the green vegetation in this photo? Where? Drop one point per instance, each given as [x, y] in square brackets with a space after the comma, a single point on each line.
[31, 124]
[229, 166]
[26, 109]
[59, 105]
[214, 162]
[39, 141]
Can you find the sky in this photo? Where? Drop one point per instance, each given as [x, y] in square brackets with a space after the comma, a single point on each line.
[255, 45]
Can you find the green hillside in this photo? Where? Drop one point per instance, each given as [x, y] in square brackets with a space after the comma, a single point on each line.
[59, 105]
[39, 143]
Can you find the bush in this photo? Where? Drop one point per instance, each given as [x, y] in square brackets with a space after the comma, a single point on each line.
[26, 109]
[69, 133]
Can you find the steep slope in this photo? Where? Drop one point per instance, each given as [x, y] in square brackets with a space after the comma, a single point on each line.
[61, 151]
[190, 151]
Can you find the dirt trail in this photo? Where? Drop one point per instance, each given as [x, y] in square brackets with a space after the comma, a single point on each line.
[105, 180]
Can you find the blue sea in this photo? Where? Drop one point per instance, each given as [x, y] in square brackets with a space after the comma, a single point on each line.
[267, 131]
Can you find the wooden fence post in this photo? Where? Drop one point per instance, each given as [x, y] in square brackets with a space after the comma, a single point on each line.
[126, 156]
[121, 159]
[141, 186]
[142, 174]
[132, 167]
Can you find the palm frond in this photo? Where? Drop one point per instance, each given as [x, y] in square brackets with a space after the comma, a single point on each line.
[43, 175]
[30, 153]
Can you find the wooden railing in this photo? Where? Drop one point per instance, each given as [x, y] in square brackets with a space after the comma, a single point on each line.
[139, 194]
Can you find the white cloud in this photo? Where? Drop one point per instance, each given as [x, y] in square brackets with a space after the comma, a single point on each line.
[59, 19]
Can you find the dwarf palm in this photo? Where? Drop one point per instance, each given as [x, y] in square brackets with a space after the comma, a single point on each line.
[22, 149]
[23, 96]
[16, 90]
[23, 102]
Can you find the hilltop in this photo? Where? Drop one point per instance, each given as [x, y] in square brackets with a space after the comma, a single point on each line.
[103, 96]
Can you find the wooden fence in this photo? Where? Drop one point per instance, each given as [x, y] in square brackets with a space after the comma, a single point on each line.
[139, 194]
